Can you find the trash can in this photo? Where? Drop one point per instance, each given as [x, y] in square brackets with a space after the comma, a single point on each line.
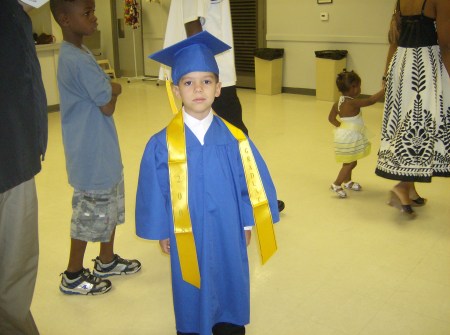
[329, 63]
[268, 70]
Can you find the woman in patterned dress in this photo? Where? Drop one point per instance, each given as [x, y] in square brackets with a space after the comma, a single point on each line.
[415, 134]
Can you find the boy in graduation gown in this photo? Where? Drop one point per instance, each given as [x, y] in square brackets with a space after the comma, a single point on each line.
[202, 186]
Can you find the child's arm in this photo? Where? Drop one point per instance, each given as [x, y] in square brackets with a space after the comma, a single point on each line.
[165, 246]
[332, 117]
[110, 107]
[358, 103]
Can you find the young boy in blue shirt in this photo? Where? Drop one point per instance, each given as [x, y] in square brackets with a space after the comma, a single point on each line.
[91, 146]
[202, 185]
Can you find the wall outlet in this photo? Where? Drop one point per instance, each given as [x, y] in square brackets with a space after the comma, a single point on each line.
[324, 16]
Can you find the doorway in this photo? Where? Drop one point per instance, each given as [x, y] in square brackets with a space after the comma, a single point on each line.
[249, 33]
[128, 56]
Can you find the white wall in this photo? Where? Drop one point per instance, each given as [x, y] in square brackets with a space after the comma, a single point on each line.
[154, 19]
[41, 19]
[359, 26]
[43, 22]
[103, 13]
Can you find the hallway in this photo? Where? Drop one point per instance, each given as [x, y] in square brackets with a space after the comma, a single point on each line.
[350, 266]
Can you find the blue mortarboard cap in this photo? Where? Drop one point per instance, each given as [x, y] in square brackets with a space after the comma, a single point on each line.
[194, 54]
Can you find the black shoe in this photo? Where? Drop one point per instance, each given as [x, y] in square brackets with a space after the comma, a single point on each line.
[280, 205]
[395, 201]
[418, 202]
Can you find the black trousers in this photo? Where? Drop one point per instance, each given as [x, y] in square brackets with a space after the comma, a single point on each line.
[228, 106]
[223, 329]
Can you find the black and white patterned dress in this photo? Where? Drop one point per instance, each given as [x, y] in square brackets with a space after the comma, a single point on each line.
[415, 134]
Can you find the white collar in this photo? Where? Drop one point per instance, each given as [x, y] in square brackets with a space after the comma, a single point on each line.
[198, 127]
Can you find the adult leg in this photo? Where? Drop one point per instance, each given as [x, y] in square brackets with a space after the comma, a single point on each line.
[402, 190]
[19, 254]
[400, 197]
[416, 199]
[228, 106]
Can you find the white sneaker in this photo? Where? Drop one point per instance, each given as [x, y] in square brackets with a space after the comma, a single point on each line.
[84, 284]
[118, 266]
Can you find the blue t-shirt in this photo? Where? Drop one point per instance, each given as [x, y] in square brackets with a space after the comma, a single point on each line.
[90, 139]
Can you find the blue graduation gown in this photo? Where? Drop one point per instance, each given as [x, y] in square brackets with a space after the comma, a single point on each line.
[220, 207]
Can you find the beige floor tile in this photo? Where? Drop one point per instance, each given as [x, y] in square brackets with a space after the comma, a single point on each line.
[344, 267]
[393, 320]
[424, 297]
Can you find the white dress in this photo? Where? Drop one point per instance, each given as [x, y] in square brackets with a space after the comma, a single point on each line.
[350, 141]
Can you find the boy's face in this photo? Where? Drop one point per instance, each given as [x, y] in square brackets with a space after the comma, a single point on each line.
[198, 90]
[79, 17]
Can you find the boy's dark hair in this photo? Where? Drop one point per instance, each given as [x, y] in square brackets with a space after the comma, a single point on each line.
[58, 6]
[346, 79]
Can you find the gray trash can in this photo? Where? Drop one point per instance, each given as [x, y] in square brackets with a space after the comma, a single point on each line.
[268, 70]
[329, 63]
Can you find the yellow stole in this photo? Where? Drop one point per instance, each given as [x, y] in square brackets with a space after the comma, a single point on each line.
[176, 146]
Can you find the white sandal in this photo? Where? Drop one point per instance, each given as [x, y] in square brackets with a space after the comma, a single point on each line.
[338, 190]
[353, 186]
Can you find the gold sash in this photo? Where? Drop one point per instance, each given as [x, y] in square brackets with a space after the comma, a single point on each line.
[176, 146]
[261, 210]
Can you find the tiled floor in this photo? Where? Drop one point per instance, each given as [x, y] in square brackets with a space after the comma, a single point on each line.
[350, 266]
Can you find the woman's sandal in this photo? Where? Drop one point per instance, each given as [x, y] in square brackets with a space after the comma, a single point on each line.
[338, 190]
[395, 201]
[418, 202]
[353, 186]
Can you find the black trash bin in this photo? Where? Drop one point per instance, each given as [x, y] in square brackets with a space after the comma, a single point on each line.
[268, 70]
[331, 54]
[329, 63]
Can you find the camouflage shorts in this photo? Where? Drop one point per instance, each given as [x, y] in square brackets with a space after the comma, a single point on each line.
[96, 213]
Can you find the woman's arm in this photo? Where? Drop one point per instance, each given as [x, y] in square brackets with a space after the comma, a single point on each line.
[443, 30]
[393, 36]
[391, 52]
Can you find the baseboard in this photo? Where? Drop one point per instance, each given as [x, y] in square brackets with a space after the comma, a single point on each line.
[296, 90]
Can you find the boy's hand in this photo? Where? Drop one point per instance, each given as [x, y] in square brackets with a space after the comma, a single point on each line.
[165, 246]
[116, 88]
